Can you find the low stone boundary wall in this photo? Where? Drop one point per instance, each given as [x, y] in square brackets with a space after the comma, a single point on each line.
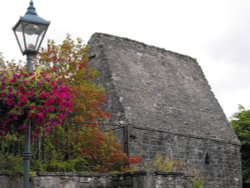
[140, 179]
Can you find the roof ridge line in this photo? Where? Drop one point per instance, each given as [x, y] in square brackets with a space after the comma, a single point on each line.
[160, 49]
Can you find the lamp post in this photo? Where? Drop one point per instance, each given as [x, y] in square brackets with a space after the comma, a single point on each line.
[29, 31]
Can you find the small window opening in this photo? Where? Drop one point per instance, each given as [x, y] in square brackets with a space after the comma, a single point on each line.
[207, 159]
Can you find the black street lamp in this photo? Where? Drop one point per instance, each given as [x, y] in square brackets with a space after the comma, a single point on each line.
[29, 31]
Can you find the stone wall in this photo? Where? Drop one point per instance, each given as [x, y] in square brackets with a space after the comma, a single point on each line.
[167, 106]
[218, 162]
[140, 179]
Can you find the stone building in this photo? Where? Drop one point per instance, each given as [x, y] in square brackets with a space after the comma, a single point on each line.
[164, 104]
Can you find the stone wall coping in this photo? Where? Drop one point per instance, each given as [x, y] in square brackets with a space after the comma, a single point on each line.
[3, 174]
[169, 173]
[135, 179]
[96, 174]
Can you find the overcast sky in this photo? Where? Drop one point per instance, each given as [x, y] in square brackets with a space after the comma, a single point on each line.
[215, 32]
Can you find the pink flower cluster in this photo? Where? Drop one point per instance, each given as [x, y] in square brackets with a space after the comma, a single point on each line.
[36, 97]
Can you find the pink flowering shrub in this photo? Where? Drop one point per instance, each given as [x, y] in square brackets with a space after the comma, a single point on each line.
[31, 96]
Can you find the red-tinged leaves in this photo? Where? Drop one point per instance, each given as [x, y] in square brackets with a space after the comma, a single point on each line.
[69, 62]
[101, 148]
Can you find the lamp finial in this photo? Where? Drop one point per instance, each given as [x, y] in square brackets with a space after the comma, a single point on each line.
[31, 9]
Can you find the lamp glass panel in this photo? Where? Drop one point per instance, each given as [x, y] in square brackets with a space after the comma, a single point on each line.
[33, 35]
[30, 42]
[41, 36]
[19, 36]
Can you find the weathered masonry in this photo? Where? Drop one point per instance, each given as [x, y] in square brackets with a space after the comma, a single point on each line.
[140, 179]
[164, 103]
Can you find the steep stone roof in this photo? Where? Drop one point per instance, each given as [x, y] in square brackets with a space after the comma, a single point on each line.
[153, 88]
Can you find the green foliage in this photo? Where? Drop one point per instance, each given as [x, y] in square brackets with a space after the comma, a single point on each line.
[198, 182]
[1, 60]
[166, 164]
[198, 179]
[73, 148]
[37, 166]
[241, 124]
[73, 165]
[163, 164]
[11, 165]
